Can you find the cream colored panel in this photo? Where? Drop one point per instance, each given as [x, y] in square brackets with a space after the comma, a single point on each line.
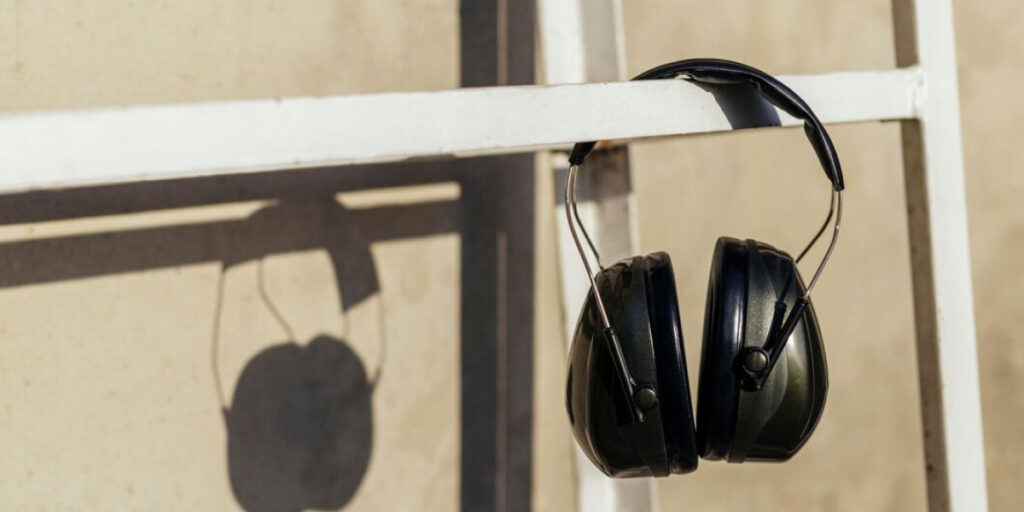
[779, 36]
[990, 50]
[76, 53]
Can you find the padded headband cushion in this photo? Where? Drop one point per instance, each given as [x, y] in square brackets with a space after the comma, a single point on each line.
[670, 359]
[724, 316]
[719, 71]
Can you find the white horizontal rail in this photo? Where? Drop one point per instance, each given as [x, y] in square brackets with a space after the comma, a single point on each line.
[103, 146]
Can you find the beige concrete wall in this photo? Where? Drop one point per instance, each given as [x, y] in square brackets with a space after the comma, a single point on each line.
[990, 50]
[108, 397]
[75, 53]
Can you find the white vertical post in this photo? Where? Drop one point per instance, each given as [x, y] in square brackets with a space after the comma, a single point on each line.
[943, 305]
[583, 41]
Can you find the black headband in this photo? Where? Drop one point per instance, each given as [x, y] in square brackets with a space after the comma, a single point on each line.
[716, 72]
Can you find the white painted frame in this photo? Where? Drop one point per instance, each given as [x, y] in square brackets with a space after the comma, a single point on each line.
[124, 144]
[116, 145]
[584, 41]
[940, 261]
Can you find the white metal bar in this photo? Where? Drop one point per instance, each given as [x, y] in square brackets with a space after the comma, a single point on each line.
[584, 42]
[943, 304]
[562, 45]
[137, 143]
[608, 210]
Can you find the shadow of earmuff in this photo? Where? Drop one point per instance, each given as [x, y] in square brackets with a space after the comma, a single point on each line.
[300, 423]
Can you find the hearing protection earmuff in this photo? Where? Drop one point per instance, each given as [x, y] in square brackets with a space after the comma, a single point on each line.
[763, 376]
[300, 422]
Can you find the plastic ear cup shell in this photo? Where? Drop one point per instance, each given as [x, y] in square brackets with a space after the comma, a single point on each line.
[597, 408]
[773, 423]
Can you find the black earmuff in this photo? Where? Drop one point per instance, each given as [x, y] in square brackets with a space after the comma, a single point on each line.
[772, 423]
[642, 304]
[763, 377]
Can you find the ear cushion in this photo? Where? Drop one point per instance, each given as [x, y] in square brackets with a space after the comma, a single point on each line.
[724, 318]
[670, 361]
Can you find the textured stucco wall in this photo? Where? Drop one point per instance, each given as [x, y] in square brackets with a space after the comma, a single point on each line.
[108, 397]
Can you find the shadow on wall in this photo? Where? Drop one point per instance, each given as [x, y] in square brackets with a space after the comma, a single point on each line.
[300, 428]
[300, 422]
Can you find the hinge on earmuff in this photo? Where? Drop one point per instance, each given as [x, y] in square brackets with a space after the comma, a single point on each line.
[754, 364]
[638, 398]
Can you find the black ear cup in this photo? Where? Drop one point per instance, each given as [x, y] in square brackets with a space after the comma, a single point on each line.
[640, 296]
[747, 279]
[670, 360]
[597, 406]
[774, 422]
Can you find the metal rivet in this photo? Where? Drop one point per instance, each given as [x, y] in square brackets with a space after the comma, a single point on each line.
[755, 360]
[646, 398]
